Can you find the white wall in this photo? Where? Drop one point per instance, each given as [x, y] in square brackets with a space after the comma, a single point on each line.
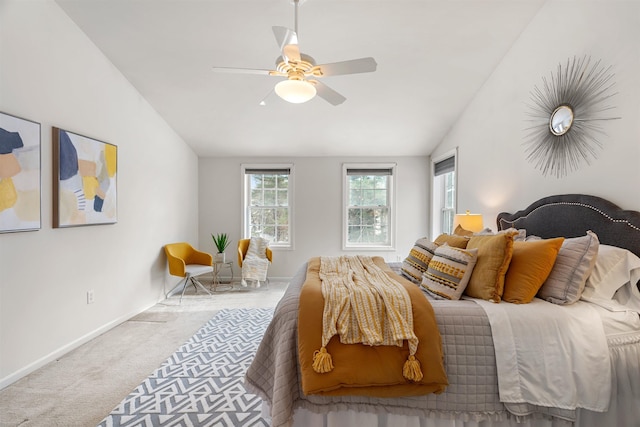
[494, 175]
[52, 74]
[317, 206]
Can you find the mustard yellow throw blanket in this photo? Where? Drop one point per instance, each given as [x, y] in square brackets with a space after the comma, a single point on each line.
[374, 365]
[364, 305]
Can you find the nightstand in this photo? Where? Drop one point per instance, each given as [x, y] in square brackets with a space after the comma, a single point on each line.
[217, 268]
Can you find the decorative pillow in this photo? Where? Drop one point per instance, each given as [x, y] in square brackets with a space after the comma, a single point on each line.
[485, 232]
[520, 235]
[494, 256]
[452, 240]
[530, 266]
[449, 271]
[459, 231]
[614, 268]
[417, 262]
[573, 266]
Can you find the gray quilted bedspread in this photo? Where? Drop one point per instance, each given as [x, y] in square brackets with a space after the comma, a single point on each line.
[469, 362]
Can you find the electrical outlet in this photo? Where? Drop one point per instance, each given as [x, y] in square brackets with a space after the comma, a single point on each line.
[90, 297]
[398, 258]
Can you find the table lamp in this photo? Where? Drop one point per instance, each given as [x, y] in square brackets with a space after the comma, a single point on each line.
[468, 221]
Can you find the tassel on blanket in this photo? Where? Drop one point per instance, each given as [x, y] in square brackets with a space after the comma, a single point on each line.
[411, 369]
[322, 362]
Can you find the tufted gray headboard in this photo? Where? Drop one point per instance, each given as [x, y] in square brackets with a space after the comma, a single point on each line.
[571, 215]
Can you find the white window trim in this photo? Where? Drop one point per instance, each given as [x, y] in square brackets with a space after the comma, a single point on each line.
[245, 199]
[451, 153]
[392, 207]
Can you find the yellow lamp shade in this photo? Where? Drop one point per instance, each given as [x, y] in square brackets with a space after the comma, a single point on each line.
[468, 221]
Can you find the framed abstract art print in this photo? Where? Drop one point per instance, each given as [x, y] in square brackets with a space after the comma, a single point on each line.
[84, 180]
[20, 183]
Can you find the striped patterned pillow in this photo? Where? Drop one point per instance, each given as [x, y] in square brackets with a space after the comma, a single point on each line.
[414, 266]
[449, 272]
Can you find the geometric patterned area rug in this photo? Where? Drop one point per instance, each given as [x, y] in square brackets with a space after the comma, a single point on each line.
[202, 383]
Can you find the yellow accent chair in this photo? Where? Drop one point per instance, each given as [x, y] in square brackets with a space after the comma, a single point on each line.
[243, 246]
[186, 262]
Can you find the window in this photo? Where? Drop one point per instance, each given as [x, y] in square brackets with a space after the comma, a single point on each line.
[268, 204]
[368, 206]
[443, 207]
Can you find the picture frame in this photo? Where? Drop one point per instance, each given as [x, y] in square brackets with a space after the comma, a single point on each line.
[85, 184]
[20, 174]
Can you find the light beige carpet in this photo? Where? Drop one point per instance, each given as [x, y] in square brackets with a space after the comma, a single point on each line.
[82, 387]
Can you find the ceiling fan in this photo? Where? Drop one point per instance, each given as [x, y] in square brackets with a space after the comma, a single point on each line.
[301, 72]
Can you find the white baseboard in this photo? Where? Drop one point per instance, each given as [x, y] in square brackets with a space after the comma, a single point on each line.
[237, 279]
[21, 373]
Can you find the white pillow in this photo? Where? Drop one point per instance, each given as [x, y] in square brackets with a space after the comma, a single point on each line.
[521, 235]
[615, 268]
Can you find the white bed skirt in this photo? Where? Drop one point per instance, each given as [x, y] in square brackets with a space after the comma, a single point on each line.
[624, 407]
[303, 417]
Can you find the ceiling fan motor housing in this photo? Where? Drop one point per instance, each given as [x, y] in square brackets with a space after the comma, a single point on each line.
[298, 70]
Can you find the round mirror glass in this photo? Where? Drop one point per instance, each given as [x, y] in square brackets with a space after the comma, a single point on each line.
[561, 120]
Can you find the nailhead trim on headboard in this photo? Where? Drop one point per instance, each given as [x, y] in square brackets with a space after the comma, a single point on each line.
[570, 215]
[511, 223]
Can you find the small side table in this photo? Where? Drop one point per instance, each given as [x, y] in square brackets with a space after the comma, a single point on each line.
[217, 268]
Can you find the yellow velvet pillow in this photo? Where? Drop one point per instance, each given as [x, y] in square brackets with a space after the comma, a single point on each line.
[459, 231]
[494, 256]
[530, 266]
[452, 240]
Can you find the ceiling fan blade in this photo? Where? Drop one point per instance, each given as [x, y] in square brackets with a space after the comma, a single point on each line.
[287, 43]
[353, 66]
[328, 94]
[243, 70]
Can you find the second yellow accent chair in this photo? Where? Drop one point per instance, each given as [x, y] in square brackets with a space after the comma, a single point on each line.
[255, 268]
[243, 245]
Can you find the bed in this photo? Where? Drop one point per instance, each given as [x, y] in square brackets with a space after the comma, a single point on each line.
[478, 351]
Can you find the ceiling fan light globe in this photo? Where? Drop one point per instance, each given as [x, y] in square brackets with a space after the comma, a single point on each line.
[295, 91]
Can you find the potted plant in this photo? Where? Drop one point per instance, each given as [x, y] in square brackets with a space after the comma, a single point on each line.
[221, 241]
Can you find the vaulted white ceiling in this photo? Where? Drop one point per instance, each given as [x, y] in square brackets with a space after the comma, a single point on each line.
[432, 55]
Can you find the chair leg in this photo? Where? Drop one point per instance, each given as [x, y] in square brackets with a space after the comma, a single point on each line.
[188, 278]
[186, 285]
[175, 288]
[196, 283]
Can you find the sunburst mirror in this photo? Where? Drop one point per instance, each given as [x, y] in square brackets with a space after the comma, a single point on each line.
[566, 116]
